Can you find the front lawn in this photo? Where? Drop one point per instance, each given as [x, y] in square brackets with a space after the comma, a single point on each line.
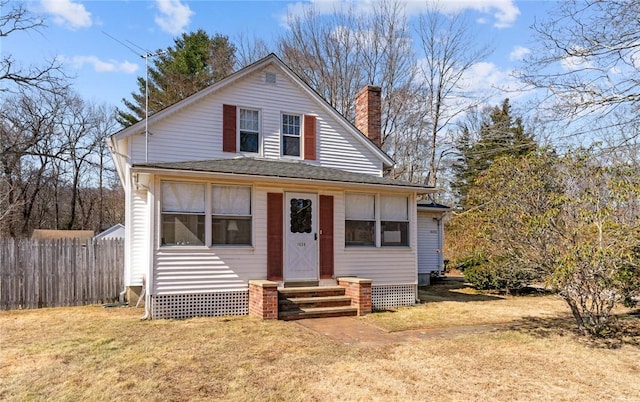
[108, 354]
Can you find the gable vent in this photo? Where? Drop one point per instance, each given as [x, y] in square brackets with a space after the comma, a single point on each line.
[270, 78]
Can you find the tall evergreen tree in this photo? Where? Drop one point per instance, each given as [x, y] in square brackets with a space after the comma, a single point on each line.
[196, 61]
[499, 134]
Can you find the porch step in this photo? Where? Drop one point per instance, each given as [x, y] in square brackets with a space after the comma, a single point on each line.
[317, 312]
[320, 301]
[310, 291]
[300, 284]
[314, 302]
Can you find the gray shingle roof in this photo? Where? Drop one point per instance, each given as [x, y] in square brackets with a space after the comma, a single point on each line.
[279, 168]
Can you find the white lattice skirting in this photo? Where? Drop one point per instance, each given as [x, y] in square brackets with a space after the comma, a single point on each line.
[200, 305]
[393, 296]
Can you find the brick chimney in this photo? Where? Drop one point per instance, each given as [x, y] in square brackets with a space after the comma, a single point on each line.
[369, 113]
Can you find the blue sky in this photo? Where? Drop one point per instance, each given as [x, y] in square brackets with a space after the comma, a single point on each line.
[105, 71]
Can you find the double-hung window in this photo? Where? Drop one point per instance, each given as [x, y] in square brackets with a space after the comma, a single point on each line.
[394, 220]
[290, 135]
[231, 215]
[360, 220]
[183, 214]
[249, 130]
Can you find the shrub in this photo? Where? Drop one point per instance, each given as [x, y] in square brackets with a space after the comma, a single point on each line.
[498, 276]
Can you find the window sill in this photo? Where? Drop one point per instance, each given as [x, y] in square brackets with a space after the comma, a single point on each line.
[379, 249]
[186, 247]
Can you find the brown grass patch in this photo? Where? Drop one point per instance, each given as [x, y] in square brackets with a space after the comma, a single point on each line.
[98, 354]
[452, 303]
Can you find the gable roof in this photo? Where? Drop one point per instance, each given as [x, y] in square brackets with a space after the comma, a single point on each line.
[274, 168]
[114, 232]
[139, 127]
[432, 206]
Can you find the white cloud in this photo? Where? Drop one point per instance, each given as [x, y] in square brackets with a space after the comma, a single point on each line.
[518, 53]
[67, 13]
[504, 12]
[174, 16]
[488, 80]
[101, 66]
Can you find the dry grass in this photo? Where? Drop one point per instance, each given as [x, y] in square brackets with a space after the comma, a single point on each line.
[93, 353]
[453, 303]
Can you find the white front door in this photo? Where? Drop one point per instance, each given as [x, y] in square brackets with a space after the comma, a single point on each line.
[301, 237]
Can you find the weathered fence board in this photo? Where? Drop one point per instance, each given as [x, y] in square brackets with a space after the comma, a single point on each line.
[54, 273]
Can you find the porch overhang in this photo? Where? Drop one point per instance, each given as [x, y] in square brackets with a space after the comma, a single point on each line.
[293, 173]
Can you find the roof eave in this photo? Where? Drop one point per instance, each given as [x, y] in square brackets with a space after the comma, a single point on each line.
[292, 180]
[140, 125]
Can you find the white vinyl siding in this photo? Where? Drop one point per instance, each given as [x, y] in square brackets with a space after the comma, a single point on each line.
[195, 132]
[139, 237]
[383, 265]
[203, 270]
[212, 269]
[430, 243]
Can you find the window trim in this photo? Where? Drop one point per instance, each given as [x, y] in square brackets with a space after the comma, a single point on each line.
[300, 135]
[407, 220]
[240, 130]
[378, 222]
[162, 213]
[208, 214]
[374, 220]
[212, 215]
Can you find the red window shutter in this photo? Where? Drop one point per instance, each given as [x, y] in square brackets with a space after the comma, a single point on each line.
[309, 137]
[229, 130]
[275, 236]
[326, 236]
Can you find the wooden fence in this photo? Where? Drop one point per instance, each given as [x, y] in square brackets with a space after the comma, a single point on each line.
[54, 273]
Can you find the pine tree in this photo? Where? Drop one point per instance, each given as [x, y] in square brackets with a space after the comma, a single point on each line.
[499, 134]
[196, 61]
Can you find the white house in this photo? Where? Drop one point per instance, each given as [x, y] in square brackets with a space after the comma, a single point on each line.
[430, 240]
[257, 178]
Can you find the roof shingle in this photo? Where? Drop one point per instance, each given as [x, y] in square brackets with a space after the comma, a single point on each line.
[279, 168]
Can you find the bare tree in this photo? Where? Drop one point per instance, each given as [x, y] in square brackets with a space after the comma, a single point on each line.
[587, 63]
[14, 18]
[250, 49]
[449, 51]
[326, 54]
[52, 161]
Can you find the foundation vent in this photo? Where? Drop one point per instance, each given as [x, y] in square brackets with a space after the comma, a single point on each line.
[200, 305]
[383, 297]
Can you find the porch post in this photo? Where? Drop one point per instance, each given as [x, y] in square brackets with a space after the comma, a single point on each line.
[263, 299]
[359, 290]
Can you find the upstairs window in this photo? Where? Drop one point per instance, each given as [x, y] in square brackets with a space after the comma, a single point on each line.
[231, 215]
[290, 135]
[249, 130]
[360, 220]
[183, 214]
[394, 220]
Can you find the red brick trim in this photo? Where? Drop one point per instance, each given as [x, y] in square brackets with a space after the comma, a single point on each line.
[359, 290]
[263, 299]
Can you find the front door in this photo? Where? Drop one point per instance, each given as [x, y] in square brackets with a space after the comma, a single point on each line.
[301, 237]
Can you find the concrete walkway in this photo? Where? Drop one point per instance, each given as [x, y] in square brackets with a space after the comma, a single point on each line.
[354, 330]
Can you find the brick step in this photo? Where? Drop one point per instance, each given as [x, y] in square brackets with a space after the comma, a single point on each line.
[311, 291]
[293, 303]
[317, 312]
